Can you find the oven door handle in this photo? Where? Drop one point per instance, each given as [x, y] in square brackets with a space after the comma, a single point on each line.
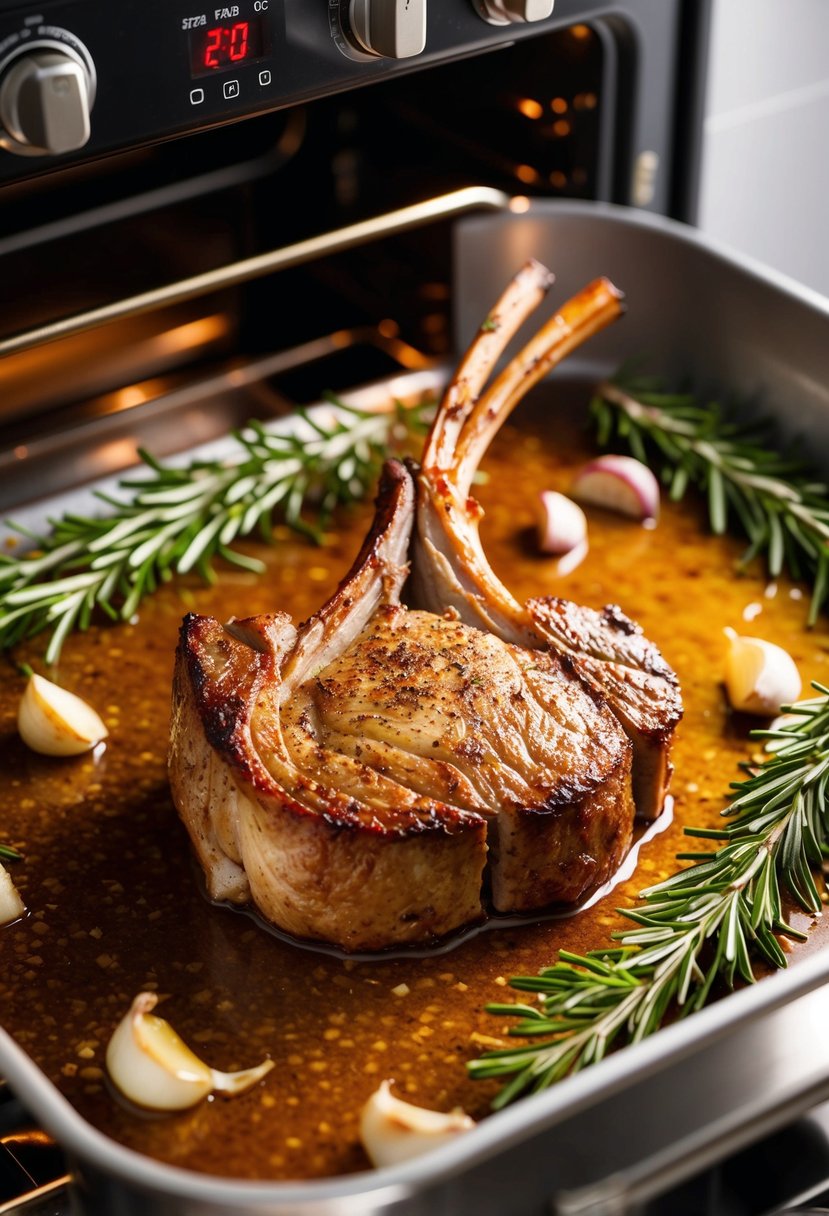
[390, 223]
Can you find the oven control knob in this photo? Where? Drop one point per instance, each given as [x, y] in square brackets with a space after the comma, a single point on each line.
[393, 29]
[46, 97]
[507, 12]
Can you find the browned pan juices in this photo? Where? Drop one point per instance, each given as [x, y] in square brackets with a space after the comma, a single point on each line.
[115, 905]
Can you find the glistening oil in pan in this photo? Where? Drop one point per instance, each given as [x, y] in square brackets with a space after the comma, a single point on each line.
[643, 834]
[107, 872]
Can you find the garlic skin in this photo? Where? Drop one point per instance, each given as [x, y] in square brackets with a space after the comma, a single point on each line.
[760, 678]
[154, 1068]
[393, 1131]
[55, 722]
[620, 483]
[561, 525]
[11, 905]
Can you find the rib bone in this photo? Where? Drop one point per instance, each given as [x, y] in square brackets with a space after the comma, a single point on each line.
[450, 566]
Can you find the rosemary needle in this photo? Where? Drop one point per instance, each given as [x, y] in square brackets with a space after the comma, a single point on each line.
[9, 854]
[711, 921]
[773, 500]
[179, 519]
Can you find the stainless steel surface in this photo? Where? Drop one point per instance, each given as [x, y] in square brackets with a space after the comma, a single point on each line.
[394, 29]
[106, 436]
[612, 1138]
[204, 410]
[695, 310]
[472, 198]
[45, 103]
[49, 1200]
[47, 91]
[507, 12]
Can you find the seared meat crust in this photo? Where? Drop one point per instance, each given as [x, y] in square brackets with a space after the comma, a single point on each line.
[509, 733]
[318, 860]
[613, 656]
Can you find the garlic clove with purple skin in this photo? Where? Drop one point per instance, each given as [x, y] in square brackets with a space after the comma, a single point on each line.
[760, 677]
[153, 1067]
[393, 1131]
[561, 525]
[622, 484]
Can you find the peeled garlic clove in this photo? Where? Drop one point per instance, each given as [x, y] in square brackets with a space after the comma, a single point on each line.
[55, 722]
[760, 678]
[561, 524]
[621, 484]
[393, 1131]
[156, 1069]
[11, 905]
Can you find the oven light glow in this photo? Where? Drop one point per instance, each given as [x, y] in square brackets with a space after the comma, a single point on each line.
[529, 107]
[526, 174]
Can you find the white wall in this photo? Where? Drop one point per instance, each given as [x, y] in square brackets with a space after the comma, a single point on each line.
[765, 169]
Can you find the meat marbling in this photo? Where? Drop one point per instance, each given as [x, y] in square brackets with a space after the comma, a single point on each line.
[356, 778]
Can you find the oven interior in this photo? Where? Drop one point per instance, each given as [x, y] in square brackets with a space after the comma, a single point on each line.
[548, 116]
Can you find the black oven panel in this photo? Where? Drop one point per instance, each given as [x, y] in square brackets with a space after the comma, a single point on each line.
[79, 78]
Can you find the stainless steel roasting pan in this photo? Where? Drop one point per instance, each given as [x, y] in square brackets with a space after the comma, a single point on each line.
[652, 1115]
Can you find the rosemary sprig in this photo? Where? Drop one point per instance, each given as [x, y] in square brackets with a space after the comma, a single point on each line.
[180, 519]
[709, 922]
[774, 500]
[9, 854]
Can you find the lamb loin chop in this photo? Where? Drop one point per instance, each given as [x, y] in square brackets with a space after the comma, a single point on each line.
[355, 778]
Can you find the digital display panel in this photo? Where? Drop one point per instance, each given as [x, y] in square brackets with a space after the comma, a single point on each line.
[229, 44]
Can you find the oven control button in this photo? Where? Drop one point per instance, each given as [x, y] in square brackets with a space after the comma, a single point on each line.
[393, 29]
[45, 101]
[507, 12]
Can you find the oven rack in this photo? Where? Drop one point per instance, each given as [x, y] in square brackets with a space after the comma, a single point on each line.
[338, 240]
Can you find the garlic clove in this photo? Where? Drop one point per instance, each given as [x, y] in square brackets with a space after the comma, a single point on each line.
[55, 722]
[561, 525]
[760, 678]
[11, 905]
[620, 483]
[393, 1131]
[153, 1067]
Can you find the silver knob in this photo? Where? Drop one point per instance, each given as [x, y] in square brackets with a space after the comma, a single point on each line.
[46, 97]
[394, 29]
[508, 12]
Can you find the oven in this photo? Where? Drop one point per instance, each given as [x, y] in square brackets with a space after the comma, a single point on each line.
[208, 215]
[291, 164]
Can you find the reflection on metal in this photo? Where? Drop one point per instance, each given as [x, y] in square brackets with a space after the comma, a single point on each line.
[48, 1200]
[103, 436]
[87, 365]
[228, 176]
[473, 198]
